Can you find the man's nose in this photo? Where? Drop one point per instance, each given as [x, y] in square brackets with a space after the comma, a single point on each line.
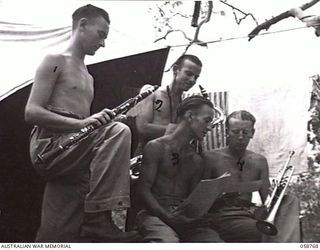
[240, 135]
[102, 44]
[193, 79]
[209, 127]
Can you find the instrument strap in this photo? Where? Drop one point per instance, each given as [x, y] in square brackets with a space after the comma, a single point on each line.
[170, 104]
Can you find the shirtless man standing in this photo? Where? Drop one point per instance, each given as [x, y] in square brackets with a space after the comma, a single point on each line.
[90, 179]
[159, 109]
[233, 214]
[169, 172]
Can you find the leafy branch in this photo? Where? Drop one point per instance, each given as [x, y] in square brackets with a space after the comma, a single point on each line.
[266, 25]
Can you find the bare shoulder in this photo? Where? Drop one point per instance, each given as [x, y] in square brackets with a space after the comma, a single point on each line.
[58, 59]
[52, 63]
[256, 156]
[215, 154]
[259, 159]
[153, 147]
[160, 93]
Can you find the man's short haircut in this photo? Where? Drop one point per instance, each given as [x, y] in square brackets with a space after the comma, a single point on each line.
[243, 115]
[89, 11]
[192, 103]
[192, 58]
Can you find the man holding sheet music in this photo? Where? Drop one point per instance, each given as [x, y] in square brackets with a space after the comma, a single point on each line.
[170, 170]
[233, 215]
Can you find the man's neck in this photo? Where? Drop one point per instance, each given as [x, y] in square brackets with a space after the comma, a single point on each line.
[181, 136]
[237, 154]
[75, 50]
[175, 92]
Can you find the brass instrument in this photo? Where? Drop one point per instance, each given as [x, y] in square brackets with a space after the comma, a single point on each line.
[77, 137]
[274, 200]
[135, 164]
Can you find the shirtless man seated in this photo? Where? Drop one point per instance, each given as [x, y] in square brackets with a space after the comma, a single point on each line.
[88, 181]
[233, 214]
[170, 171]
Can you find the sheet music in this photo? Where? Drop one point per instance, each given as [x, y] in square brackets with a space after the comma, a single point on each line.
[207, 191]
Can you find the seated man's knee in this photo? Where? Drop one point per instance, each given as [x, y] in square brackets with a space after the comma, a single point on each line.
[114, 130]
[122, 129]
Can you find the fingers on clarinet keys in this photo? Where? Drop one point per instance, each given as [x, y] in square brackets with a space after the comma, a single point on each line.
[120, 118]
[110, 113]
[101, 118]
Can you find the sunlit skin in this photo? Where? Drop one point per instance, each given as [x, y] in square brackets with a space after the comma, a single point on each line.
[171, 167]
[62, 82]
[255, 167]
[156, 113]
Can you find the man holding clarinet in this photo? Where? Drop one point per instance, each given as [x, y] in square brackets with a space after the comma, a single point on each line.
[89, 180]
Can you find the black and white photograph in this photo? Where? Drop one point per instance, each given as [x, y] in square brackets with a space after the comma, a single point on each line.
[159, 122]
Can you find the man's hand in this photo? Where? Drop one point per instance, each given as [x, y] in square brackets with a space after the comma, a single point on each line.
[179, 219]
[260, 213]
[120, 118]
[98, 119]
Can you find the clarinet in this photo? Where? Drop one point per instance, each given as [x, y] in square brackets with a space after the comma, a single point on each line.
[222, 117]
[86, 131]
[203, 92]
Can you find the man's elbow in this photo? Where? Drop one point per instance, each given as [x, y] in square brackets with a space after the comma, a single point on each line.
[143, 129]
[29, 115]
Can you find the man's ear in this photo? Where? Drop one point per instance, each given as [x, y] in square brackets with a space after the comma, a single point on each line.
[83, 22]
[188, 115]
[175, 68]
[253, 130]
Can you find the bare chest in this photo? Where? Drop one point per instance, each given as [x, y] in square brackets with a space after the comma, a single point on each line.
[177, 165]
[77, 80]
[73, 90]
[241, 170]
[164, 108]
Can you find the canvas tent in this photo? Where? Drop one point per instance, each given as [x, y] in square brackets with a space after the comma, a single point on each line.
[268, 77]
[21, 188]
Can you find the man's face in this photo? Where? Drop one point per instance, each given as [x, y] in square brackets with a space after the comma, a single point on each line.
[240, 133]
[186, 75]
[94, 32]
[201, 122]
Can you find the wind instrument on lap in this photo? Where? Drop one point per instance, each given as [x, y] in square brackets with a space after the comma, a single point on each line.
[86, 131]
[274, 200]
[135, 164]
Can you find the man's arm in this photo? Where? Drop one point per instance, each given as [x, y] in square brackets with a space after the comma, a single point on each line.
[198, 174]
[264, 176]
[149, 170]
[36, 111]
[144, 120]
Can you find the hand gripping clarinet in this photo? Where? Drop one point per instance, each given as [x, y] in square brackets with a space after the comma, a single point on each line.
[86, 131]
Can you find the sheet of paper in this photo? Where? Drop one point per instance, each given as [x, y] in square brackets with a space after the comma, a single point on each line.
[202, 197]
[207, 191]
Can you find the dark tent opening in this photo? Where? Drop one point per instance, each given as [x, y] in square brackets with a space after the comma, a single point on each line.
[21, 189]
